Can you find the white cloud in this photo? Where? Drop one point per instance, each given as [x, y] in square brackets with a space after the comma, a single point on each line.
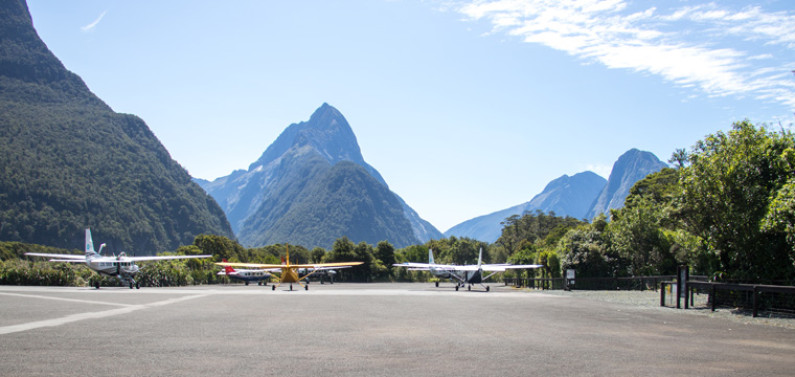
[91, 26]
[603, 170]
[721, 51]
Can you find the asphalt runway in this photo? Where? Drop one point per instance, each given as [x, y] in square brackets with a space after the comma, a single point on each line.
[368, 330]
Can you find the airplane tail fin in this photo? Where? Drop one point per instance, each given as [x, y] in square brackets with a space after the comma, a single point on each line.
[287, 255]
[228, 269]
[430, 256]
[480, 258]
[89, 244]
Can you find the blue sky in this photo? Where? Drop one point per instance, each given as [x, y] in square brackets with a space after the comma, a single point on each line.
[464, 107]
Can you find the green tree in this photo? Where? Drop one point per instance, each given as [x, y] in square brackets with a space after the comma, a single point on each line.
[317, 254]
[526, 255]
[221, 248]
[385, 252]
[532, 227]
[635, 235]
[727, 192]
[679, 157]
[584, 250]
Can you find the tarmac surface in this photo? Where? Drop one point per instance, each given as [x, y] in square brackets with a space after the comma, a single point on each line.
[369, 330]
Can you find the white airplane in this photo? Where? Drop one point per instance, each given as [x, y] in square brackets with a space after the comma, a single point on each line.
[121, 266]
[466, 274]
[261, 276]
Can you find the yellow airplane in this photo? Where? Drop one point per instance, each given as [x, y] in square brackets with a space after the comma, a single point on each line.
[289, 273]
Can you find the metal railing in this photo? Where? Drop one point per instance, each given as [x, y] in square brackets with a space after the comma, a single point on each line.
[756, 297]
[635, 283]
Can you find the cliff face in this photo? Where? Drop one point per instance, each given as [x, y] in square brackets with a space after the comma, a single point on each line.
[631, 167]
[565, 196]
[582, 196]
[70, 162]
[312, 186]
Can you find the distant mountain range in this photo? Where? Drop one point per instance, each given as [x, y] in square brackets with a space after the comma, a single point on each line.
[582, 196]
[312, 186]
[68, 162]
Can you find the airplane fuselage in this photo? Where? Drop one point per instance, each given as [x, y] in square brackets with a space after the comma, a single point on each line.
[473, 277]
[125, 269]
[119, 267]
[290, 275]
[440, 273]
[253, 275]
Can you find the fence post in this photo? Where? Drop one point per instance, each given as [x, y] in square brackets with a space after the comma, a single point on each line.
[756, 301]
[713, 297]
[662, 294]
[681, 285]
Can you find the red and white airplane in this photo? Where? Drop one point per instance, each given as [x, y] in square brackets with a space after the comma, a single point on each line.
[261, 276]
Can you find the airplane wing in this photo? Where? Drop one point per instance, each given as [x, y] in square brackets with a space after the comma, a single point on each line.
[412, 266]
[280, 266]
[330, 268]
[165, 257]
[68, 260]
[251, 265]
[503, 267]
[520, 266]
[318, 266]
[471, 267]
[60, 257]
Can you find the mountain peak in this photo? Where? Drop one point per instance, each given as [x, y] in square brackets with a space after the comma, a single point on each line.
[327, 132]
[630, 167]
[286, 192]
[326, 110]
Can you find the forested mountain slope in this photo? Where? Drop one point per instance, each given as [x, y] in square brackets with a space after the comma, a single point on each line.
[68, 162]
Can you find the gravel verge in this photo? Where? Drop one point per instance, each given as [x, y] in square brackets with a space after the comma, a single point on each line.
[651, 300]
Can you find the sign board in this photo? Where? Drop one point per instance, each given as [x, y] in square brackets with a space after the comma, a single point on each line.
[570, 276]
[683, 276]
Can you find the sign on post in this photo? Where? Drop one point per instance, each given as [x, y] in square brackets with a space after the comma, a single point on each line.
[569, 278]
